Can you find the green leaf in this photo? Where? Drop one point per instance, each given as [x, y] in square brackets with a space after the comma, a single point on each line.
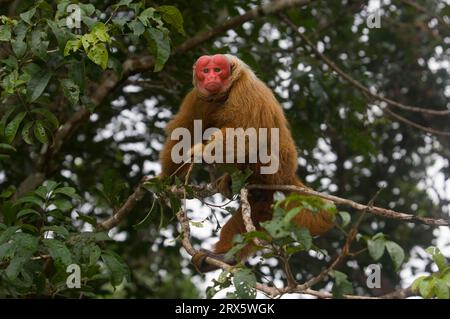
[8, 192]
[49, 116]
[26, 244]
[61, 35]
[39, 132]
[441, 290]
[26, 135]
[29, 199]
[438, 258]
[41, 191]
[13, 126]
[440, 261]
[62, 204]
[5, 33]
[231, 254]
[346, 218]
[100, 30]
[8, 233]
[7, 147]
[122, 3]
[120, 22]
[51, 185]
[20, 30]
[426, 287]
[68, 191]
[59, 251]
[303, 237]
[15, 267]
[87, 9]
[291, 214]
[415, 285]
[26, 16]
[27, 228]
[146, 15]
[341, 285]
[6, 251]
[378, 236]
[396, 252]
[117, 267]
[57, 229]
[4, 119]
[244, 281]
[137, 27]
[116, 66]
[77, 73]
[71, 91]
[88, 219]
[146, 220]
[101, 236]
[445, 274]
[94, 254]
[376, 248]
[88, 40]
[37, 84]
[26, 212]
[38, 44]
[162, 44]
[172, 16]
[72, 45]
[276, 228]
[99, 55]
[19, 48]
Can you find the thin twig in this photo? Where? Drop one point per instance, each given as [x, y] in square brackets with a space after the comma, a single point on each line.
[355, 82]
[387, 213]
[247, 216]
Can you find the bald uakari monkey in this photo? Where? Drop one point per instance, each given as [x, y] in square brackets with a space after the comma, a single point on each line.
[228, 95]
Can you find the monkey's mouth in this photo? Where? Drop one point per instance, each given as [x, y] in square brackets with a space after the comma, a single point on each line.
[213, 87]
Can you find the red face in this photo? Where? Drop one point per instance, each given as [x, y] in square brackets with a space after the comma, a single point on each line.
[213, 74]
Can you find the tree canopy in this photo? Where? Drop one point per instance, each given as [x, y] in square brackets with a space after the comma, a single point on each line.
[87, 88]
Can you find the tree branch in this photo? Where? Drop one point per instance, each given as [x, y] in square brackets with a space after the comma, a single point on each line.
[355, 82]
[345, 249]
[419, 8]
[247, 216]
[135, 65]
[388, 213]
[272, 291]
[126, 208]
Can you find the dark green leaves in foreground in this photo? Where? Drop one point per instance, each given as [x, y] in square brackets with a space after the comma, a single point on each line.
[37, 229]
[49, 57]
[377, 246]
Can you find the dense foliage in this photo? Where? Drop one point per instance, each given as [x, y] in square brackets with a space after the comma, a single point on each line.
[83, 109]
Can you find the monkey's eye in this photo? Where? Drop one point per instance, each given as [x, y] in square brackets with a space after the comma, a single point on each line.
[205, 70]
[217, 70]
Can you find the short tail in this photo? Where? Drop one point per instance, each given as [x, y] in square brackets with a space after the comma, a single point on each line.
[317, 223]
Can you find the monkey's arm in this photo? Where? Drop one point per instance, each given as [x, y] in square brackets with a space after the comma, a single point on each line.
[183, 119]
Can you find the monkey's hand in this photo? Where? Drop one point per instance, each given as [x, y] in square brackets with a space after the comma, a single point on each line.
[196, 153]
[223, 185]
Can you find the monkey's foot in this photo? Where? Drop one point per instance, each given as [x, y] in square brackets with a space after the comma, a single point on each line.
[199, 260]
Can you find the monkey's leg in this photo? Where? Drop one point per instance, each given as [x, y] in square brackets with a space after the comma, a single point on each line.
[234, 226]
